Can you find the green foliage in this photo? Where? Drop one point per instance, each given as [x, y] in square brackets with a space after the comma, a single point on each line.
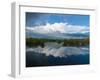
[34, 42]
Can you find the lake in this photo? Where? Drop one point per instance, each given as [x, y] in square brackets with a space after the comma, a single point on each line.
[55, 56]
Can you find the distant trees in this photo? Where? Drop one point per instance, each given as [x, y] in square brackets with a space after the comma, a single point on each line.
[76, 42]
[34, 42]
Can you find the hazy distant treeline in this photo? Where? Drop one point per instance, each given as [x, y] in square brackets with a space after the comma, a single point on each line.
[34, 42]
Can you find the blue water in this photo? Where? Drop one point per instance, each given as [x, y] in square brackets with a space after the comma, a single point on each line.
[34, 59]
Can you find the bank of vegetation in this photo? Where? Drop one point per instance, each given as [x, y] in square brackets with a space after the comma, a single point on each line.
[34, 42]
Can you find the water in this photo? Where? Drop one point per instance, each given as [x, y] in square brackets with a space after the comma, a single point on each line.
[54, 56]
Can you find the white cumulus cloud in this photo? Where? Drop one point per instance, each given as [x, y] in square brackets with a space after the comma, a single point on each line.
[58, 27]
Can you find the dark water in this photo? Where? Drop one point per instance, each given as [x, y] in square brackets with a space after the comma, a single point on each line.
[34, 59]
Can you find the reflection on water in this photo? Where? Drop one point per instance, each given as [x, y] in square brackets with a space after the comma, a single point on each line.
[55, 54]
[57, 50]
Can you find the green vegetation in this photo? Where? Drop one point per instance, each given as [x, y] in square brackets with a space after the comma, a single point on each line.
[34, 42]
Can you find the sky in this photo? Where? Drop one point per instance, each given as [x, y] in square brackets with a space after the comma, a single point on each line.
[54, 25]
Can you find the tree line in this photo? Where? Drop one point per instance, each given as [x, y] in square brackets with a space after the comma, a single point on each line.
[34, 42]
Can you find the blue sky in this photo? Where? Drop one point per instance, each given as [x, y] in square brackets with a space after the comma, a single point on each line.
[47, 23]
[42, 18]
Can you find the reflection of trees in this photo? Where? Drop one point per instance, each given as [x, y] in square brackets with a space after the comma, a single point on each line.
[34, 42]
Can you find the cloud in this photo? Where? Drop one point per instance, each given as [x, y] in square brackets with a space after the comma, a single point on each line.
[58, 31]
[58, 27]
[60, 52]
